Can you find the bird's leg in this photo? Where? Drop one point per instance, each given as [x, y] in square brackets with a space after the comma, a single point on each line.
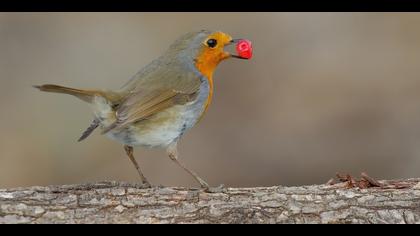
[129, 150]
[173, 154]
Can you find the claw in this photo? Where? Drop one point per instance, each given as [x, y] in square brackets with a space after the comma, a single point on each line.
[220, 189]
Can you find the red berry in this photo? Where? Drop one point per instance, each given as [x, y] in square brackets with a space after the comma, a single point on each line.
[244, 48]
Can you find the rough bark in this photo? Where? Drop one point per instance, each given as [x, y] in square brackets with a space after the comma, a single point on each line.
[114, 202]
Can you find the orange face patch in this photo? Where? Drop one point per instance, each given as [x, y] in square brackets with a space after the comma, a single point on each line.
[212, 53]
[210, 56]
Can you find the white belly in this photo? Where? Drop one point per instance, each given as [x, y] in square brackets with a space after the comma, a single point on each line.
[160, 130]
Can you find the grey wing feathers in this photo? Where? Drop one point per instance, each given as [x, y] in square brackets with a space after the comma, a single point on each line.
[155, 92]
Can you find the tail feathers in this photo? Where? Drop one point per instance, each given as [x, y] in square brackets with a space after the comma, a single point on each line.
[85, 95]
[89, 130]
[103, 103]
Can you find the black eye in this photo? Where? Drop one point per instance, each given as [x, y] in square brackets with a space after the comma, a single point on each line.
[212, 43]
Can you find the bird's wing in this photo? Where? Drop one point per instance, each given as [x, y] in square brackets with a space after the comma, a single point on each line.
[151, 95]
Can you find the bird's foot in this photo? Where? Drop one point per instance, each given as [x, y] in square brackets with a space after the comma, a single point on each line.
[219, 189]
[144, 185]
[147, 185]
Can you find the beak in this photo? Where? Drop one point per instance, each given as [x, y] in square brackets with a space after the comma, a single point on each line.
[233, 49]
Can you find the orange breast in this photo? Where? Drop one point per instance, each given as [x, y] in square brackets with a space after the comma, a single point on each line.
[206, 63]
[207, 66]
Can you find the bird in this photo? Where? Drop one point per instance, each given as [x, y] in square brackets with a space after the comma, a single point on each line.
[162, 101]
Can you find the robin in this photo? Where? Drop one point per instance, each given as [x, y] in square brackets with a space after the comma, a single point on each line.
[164, 99]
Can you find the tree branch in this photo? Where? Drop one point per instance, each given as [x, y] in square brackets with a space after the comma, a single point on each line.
[114, 202]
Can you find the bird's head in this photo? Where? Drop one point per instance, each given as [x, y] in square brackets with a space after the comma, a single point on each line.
[208, 48]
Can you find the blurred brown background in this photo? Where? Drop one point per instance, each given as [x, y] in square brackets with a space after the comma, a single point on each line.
[325, 92]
